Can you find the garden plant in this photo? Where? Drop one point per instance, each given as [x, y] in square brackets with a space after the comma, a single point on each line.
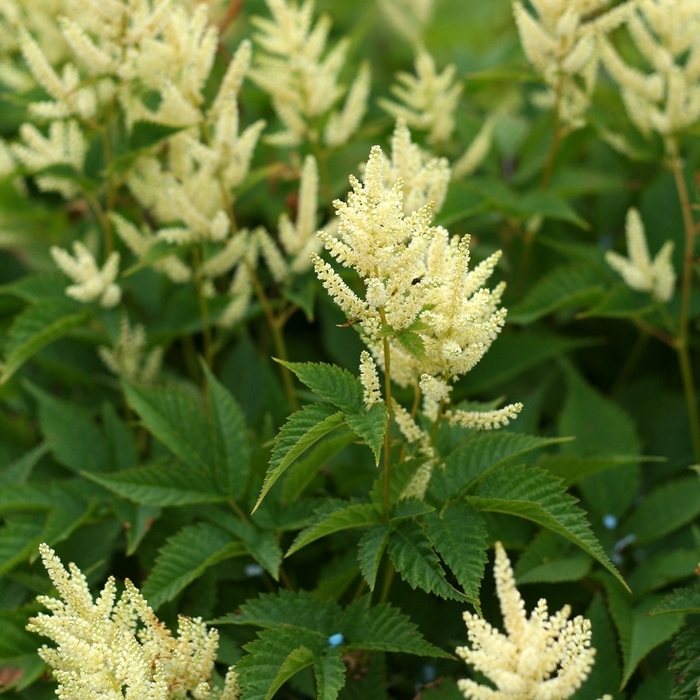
[349, 350]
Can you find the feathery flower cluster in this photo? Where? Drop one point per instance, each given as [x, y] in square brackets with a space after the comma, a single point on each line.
[128, 358]
[117, 649]
[561, 44]
[408, 18]
[420, 292]
[539, 658]
[639, 272]
[667, 34]
[302, 82]
[91, 282]
[428, 100]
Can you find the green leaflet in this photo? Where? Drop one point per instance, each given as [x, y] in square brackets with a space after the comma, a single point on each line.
[550, 558]
[369, 552]
[458, 533]
[664, 510]
[639, 632]
[477, 455]
[535, 495]
[178, 421]
[76, 441]
[19, 537]
[621, 302]
[370, 426]
[331, 383]
[161, 485]
[685, 664]
[36, 327]
[682, 600]
[345, 518]
[18, 650]
[329, 670]
[185, 557]
[415, 560]
[301, 431]
[231, 449]
[409, 508]
[19, 471]
[572, 469]
[565, 287]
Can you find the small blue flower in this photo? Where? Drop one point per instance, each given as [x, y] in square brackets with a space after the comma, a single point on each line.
[253, 570]
[335, 640]
[610, 521]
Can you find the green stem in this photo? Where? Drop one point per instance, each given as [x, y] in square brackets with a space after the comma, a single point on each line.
[388, 578]
[682, 341]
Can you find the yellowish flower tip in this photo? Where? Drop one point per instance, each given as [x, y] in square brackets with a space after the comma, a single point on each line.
[539, 656]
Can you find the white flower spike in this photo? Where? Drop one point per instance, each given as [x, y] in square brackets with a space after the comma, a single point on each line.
[639, 272]
[538, 658]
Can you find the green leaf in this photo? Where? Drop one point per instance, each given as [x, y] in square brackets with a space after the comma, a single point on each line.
[178, 421]
[550, 206]
[231, 449]
[301, 431]
[409, 508]
[463, 200]
[564, 287]
[572, 469]
[344, 518]
[535, 495]
[415, 560]
[477, 455]
[75, 440]
[412, 343]
[682, 600]
[36, 327]
[664, 510]
[662, 569]
[18, 657]
[638, 631]
[513, 354]
[121, 446]
[157, 250]
[621, 302]
[41, 287]
[160, 485]
[302, 472]
[331, 383]
[458, 534]
[549, 558]
[369, 552]
[370, 426]
[384, 628]
[18, 472]
[329, 670]
[685, 664]
[19, 538]
[185, 557]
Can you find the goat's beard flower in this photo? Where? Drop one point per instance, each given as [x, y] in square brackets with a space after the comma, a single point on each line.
[539, 658]
[118, 649]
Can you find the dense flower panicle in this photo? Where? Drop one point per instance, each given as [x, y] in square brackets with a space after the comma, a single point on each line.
[370, 380]
[667, 34]
[428, 100]
[424, 177]
[538, 658]
[128, 359]
[92, 283]
[417, 281]
[118, 649]
[560, 41]
[639, 272]
[302, 77]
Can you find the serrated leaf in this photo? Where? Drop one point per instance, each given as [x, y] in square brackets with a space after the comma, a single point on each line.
[605, 677]
[302, 429]
[685, 664]
[41, 287]
[458, 533]
[664, 510]
[75, 440]
[662, 569]
[564, 287]
[384, 628]
[329, 670]
[479, 453]
[682, 600]
[331, 383]
[19, 538]
[18, 651]
[18, 472]
[370, 426]
[344, 518]
[638, 631]
[121, 446]
[178, 421]
[35, 328]
[409, 508]
[231, 449]
[160, 485]
[370, 550]
[549, 558]
[572, 469]
[415, 560]
[535, 495]
[185, 557]
[621, 302]
[303, 471]
[412, 343]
